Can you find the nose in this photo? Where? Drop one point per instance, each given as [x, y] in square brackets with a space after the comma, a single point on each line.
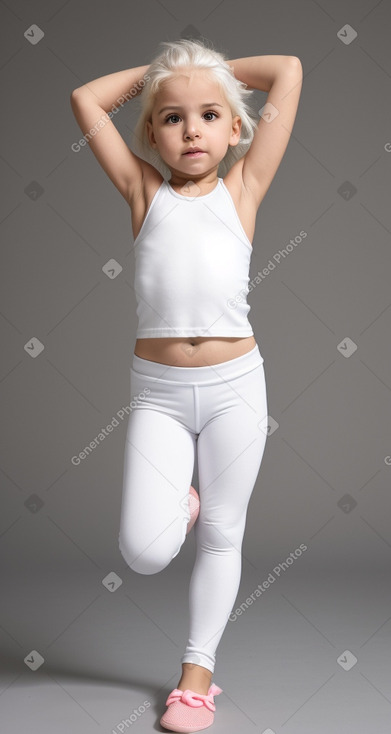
[191, 129]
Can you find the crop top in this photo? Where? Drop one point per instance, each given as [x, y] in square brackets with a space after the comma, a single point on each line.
[192, 261]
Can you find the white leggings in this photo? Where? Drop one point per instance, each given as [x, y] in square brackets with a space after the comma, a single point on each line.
[222, 410]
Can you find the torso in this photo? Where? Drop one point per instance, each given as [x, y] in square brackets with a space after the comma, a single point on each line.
[194, 351]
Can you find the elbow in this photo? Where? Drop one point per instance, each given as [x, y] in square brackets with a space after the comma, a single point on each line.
[75, 92]
[295, 63]
[73, 95]
[72, 99]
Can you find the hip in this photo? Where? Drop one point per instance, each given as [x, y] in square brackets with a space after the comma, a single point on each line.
[233, 391]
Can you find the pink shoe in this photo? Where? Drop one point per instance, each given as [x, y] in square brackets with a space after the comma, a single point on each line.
[189, 711]
[194, 507]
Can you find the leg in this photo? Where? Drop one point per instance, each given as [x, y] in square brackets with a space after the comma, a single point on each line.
[230, 451]
[158, 468]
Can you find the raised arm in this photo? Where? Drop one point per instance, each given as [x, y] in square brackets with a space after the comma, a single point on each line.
[93, 105]
[281, 77]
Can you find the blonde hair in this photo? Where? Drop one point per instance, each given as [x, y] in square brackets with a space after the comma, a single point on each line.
[194, 54]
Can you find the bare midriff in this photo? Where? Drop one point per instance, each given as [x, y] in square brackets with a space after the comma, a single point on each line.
[193, 351]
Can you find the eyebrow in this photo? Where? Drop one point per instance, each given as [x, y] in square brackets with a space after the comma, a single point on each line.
[178, 107]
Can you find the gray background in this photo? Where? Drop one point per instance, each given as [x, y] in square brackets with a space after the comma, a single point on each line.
[325, 477]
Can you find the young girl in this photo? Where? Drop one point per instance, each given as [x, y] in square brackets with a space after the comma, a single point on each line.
[197, 373]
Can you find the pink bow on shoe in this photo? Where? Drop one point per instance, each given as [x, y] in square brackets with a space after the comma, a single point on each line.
[195, 699]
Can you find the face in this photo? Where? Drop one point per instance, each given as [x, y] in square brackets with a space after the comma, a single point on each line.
[190, 111]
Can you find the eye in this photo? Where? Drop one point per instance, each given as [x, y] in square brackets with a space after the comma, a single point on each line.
[170, 116]
[178, 118]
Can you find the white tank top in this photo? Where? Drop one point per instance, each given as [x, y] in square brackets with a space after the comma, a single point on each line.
[192, 261]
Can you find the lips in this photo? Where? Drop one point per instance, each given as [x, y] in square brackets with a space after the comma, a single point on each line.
[193, 150]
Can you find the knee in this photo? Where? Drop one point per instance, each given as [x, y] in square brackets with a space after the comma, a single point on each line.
[149, 560]
[222, 535]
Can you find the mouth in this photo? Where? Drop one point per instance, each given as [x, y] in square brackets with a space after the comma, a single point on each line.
[194, 152]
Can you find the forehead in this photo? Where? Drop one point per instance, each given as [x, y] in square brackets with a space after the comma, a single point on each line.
[190, 83]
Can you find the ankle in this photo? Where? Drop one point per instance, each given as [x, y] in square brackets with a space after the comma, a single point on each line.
[198, 670]
[196, 677]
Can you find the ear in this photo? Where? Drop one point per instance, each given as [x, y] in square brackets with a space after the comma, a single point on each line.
[236, 129]
[150, 134]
